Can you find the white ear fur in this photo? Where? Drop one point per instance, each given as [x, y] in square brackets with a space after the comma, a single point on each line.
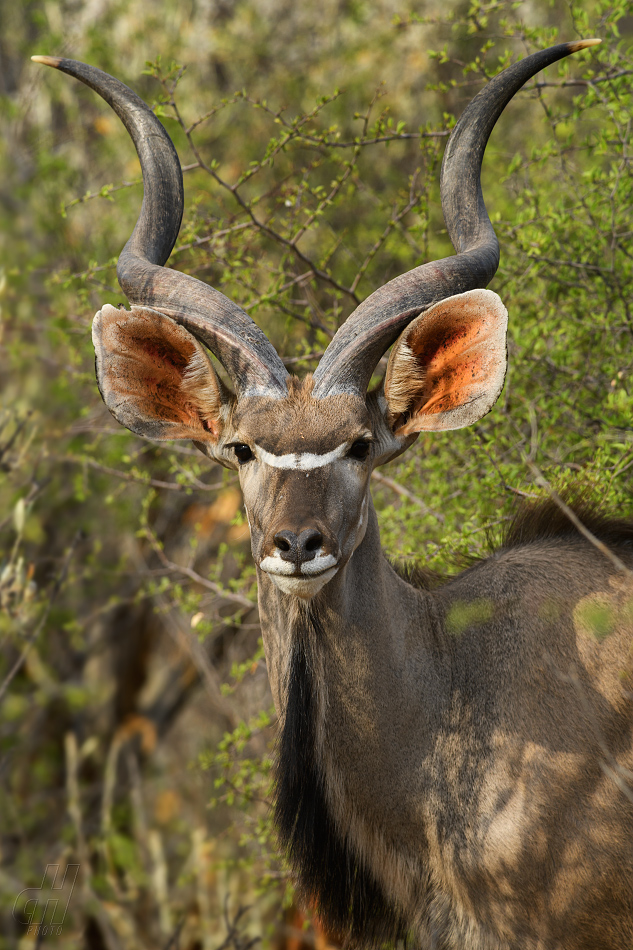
[409, 376]
[201, 384]
[447, 368]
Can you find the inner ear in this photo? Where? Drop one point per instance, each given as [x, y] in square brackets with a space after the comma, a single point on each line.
[447, 368]
[155, 377]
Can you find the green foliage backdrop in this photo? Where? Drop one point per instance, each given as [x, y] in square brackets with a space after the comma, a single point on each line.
[133, 692]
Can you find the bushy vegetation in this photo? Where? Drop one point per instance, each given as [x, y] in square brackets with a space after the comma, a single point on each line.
[136, 726]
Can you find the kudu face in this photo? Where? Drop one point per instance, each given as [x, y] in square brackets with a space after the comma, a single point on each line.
[305, 449]
[304, 466]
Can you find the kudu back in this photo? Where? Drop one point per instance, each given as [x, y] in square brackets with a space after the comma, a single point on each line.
[454, 763]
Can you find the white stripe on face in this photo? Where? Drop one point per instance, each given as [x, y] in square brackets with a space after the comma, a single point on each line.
[318, 564]
[301, 461]
[274, 564]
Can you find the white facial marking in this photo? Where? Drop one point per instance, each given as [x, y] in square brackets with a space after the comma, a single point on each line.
[264, 392]
[303, 587]
[301, 461]
[363, 509]
[320, 563]
[274, 564]
[361, 528]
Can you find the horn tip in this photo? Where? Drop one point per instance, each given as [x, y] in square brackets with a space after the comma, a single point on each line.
[583, 44]
[47, 60]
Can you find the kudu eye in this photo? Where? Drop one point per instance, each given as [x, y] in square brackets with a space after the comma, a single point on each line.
[243, 452]
[360, 449]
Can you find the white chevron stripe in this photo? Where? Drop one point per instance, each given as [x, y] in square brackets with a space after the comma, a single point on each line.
[301, 461]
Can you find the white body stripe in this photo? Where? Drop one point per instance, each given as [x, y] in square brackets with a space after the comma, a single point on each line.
[301, 461]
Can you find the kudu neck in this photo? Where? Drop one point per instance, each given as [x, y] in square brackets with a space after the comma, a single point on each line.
[370, 621]
[360, 678]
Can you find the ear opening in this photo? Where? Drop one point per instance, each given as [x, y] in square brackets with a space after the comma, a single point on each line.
[447, 369]
[155, 377]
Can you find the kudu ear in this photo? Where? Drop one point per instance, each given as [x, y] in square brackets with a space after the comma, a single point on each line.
[155, 377]
[447, 368]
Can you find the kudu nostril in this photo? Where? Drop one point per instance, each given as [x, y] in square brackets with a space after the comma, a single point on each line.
[298, 549]
[310, 541]
[286, 542]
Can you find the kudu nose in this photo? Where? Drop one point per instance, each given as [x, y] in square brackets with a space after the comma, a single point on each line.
[298, 548]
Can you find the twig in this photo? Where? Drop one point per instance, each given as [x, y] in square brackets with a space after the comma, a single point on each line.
[109, 938]
[260, 225]
[35, 489]
[581, 82]
[401, 490]
[194, 576]
[575, 520]
[315, 355]
[131, 477]
[198, 242]
[232, 927]
[396, 137]
[17, 666]
[386, 232]
[504, 484]
[174, 940]
[6, 446]
[72, 791]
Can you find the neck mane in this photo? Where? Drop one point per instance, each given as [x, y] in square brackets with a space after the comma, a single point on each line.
[333, 879]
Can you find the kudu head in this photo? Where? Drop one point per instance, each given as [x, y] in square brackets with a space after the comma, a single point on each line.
[304, 449]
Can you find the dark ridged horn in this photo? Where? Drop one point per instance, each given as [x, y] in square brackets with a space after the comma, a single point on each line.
[351, 357]
[243, 349]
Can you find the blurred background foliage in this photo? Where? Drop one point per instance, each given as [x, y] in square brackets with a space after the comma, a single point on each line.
[136, 726]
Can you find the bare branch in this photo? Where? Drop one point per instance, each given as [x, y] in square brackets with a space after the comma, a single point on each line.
[405, 493]
[575, 520]
[131, 477]
[19, 663]
[194, 576]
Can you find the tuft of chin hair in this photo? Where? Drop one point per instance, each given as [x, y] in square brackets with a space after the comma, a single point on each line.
[331, 879]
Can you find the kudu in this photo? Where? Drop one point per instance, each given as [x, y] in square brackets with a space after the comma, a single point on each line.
[462, 784]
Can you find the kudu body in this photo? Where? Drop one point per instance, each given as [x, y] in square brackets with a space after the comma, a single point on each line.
[462, 781]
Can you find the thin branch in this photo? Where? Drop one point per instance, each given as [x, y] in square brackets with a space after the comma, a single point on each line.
[441, 134]
[212, 237]
[504, 484]
[291, 360]
[575, 520]
[194, 576]
[405, 493]
[582, 82]
[387, 231]
[19, 663]
[131, 477]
